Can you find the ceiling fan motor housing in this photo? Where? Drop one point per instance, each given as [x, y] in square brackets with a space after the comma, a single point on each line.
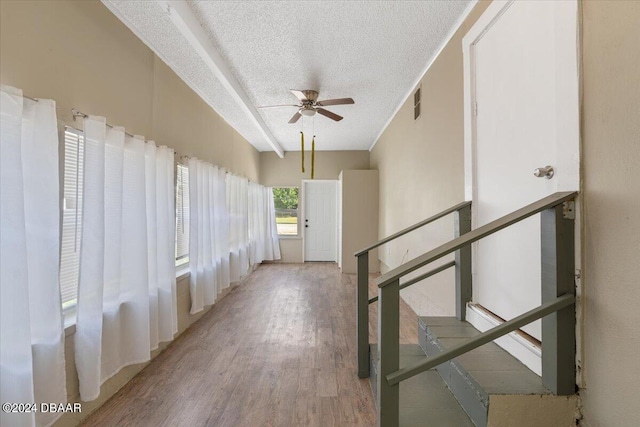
[311, 95]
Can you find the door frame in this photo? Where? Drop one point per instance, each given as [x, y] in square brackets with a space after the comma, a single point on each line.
[303, 204]
[568, 131]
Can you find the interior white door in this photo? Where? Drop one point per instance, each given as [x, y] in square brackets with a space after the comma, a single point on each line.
[521, 88]
[320, 220]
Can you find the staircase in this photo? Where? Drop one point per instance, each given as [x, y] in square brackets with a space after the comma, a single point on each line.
[457, 376]
[425, 399]
[484, 387]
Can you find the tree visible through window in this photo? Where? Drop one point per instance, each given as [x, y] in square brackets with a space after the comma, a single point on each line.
[285, 200]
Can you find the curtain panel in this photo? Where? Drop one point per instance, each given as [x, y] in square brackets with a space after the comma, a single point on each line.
[238, 199]
[209, 234]
[263, 235]
[126, 290]
[273, 241]
[32, 336]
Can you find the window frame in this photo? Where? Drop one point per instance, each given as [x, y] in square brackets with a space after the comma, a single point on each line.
[298, 234]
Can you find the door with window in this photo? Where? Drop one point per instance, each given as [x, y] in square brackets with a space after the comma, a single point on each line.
[521, 96]
[320, 220]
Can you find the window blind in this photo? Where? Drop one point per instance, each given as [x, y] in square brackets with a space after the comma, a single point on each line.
[182, 215]
[71, 216]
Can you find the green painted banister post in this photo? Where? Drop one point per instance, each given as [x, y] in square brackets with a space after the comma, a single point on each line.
[464, 288]
[558, 269]
[362, 314]
[388, 354]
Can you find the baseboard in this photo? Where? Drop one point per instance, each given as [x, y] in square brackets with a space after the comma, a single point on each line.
[523, 349]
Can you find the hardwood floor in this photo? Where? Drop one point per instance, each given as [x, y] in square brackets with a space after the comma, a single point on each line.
[279, 350]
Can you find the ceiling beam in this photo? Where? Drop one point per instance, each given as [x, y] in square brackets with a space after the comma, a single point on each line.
[187, 23]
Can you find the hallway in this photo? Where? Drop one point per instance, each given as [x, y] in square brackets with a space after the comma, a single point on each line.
[279, 350]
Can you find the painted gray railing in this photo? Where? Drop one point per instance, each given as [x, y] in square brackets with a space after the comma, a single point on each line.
[557, 310]
[462, 213]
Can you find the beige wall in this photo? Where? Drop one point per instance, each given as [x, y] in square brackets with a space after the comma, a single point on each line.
[275, 172]
[359, 217]
[80, 55]
[611, 166]
[422, 172]
[422, 161]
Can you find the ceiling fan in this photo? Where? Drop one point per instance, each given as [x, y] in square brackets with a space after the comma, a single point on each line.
[309, 105]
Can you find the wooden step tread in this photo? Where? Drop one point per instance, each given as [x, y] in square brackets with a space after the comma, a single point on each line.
[425, 400]
[491, 367]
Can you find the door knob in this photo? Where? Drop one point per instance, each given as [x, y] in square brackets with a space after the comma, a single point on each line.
[545, 172]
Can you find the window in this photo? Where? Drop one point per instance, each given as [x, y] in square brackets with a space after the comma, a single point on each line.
[285, 200]
[71, 216]
[182, 215]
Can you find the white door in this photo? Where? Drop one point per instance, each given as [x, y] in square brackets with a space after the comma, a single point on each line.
[320, 220]
[521, 101]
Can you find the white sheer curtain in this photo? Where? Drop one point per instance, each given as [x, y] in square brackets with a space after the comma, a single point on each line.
[123, 286]
[163, 312]
[256, 224]
[273, 241]
[237, 199]
[32, 336]
[208, 231]
[263, 235]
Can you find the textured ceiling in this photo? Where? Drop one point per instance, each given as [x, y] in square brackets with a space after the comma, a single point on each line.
[371, 51]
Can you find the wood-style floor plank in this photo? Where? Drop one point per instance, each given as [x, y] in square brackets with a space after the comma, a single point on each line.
[279, 350]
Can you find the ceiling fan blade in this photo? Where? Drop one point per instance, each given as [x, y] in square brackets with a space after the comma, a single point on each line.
[338, 101]
[299, 94]
[281, 105]
[295, 117]
[329, 114]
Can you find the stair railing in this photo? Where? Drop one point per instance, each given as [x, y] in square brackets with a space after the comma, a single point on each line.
[462, 213]
[557, 310]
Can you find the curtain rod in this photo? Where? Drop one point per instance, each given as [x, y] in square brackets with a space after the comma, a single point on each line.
[77, 113]
[185, 157]
[227, 172]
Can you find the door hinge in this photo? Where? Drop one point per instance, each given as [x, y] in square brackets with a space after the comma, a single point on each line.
[475, 108]
[569, 210]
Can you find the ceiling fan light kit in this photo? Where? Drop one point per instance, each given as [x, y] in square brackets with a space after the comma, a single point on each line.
[308, 111]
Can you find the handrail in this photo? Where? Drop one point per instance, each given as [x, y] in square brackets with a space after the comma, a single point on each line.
[412, 227]
[475, 235]
[421, 277]
[557, 255]
[481, 339]
[462, 224]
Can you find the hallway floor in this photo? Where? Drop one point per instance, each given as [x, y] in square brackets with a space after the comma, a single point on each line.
[279, 350]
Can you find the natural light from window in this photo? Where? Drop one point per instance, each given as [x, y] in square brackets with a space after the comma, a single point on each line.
[182, 215]
[286, 203]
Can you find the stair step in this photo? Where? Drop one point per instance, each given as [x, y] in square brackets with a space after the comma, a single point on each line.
[425, 399]
[488, 380]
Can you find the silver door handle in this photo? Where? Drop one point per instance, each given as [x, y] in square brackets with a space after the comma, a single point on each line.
[545, 172]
